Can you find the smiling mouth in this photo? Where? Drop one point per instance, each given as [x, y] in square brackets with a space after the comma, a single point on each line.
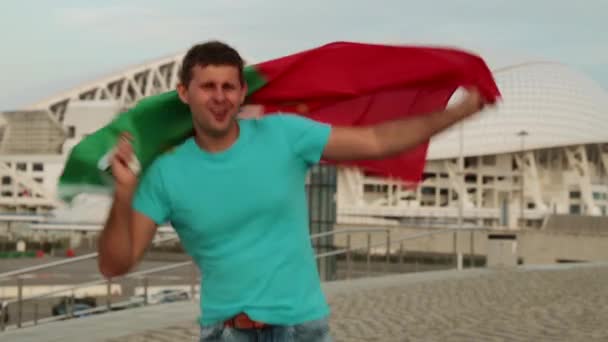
[221, 117]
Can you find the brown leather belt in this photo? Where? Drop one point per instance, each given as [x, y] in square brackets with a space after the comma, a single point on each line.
[242, 321]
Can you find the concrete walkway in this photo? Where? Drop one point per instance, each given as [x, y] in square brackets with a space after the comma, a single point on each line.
[553, 303]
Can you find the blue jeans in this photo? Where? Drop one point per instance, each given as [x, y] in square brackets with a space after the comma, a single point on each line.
[313, 331]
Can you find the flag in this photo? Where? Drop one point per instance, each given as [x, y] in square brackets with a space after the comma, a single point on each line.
[341, 83]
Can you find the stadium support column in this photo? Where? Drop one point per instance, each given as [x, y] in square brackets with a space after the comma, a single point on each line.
[522, 136]
[604, 156]
[579, 164]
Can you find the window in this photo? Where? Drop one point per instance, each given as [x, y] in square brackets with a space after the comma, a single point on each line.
[489, 160]
[575, 209]
[21, 166]
[428, 175]
[71, 131]
[38, 167]
[575, 194]
[7, 193]
[38, 179]
[375, 188]
[6, 180]
[428, 190]
[470, 162]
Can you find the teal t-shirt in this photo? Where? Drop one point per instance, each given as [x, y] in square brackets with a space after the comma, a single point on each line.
[242, 215]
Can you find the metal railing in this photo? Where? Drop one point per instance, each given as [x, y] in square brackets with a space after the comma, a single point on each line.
[72, 260]
[348, 252]
[19, 301]
[368, 247]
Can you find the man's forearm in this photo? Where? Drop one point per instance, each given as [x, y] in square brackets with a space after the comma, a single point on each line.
[115, 245]
[394, 137]
[397, 136]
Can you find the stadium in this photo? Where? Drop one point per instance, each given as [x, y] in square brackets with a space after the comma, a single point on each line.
[542, 152]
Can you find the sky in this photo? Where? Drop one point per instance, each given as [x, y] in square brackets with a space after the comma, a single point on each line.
[51, 46]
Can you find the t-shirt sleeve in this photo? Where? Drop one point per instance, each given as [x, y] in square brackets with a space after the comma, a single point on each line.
[151, 198]
[307, 137]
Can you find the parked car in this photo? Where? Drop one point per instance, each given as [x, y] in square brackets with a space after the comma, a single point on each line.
[81, 305]
[168, 296]
[4, 310]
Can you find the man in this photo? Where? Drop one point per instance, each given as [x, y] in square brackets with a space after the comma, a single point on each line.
[235, 194]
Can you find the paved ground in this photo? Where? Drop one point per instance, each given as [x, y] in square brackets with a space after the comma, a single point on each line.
[558, 303]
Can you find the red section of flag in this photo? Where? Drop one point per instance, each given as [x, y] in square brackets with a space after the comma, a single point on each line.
[358, 84]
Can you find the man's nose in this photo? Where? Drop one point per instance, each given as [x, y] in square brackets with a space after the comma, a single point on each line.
[219, 94]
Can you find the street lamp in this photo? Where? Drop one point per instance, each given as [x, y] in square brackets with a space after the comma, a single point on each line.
[522, 136]
[461, 194]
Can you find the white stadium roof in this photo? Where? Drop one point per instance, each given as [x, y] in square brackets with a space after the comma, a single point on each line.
[131, 72]
[555, 104]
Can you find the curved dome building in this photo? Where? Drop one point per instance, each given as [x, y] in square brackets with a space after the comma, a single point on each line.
[542, 151]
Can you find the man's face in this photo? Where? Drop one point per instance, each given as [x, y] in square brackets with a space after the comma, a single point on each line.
[214, 95]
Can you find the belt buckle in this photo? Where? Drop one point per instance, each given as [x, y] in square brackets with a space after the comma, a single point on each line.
[242, 321]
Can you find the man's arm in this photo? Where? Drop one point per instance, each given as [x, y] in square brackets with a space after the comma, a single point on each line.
[127, 233]
[125, 237]
[393, 137]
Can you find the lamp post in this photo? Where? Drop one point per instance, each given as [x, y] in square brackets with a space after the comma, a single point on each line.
[461, 173]
[522, 136]
[461, 194]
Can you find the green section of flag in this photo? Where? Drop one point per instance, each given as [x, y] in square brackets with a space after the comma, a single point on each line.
[254, 79]
[157, 124]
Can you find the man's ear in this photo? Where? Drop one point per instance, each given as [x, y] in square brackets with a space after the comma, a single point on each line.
[182, 91]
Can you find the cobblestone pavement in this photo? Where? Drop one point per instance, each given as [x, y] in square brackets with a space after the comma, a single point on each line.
[559, 303]
[565, 305]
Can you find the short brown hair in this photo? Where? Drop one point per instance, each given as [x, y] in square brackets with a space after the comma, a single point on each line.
[210, 53]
